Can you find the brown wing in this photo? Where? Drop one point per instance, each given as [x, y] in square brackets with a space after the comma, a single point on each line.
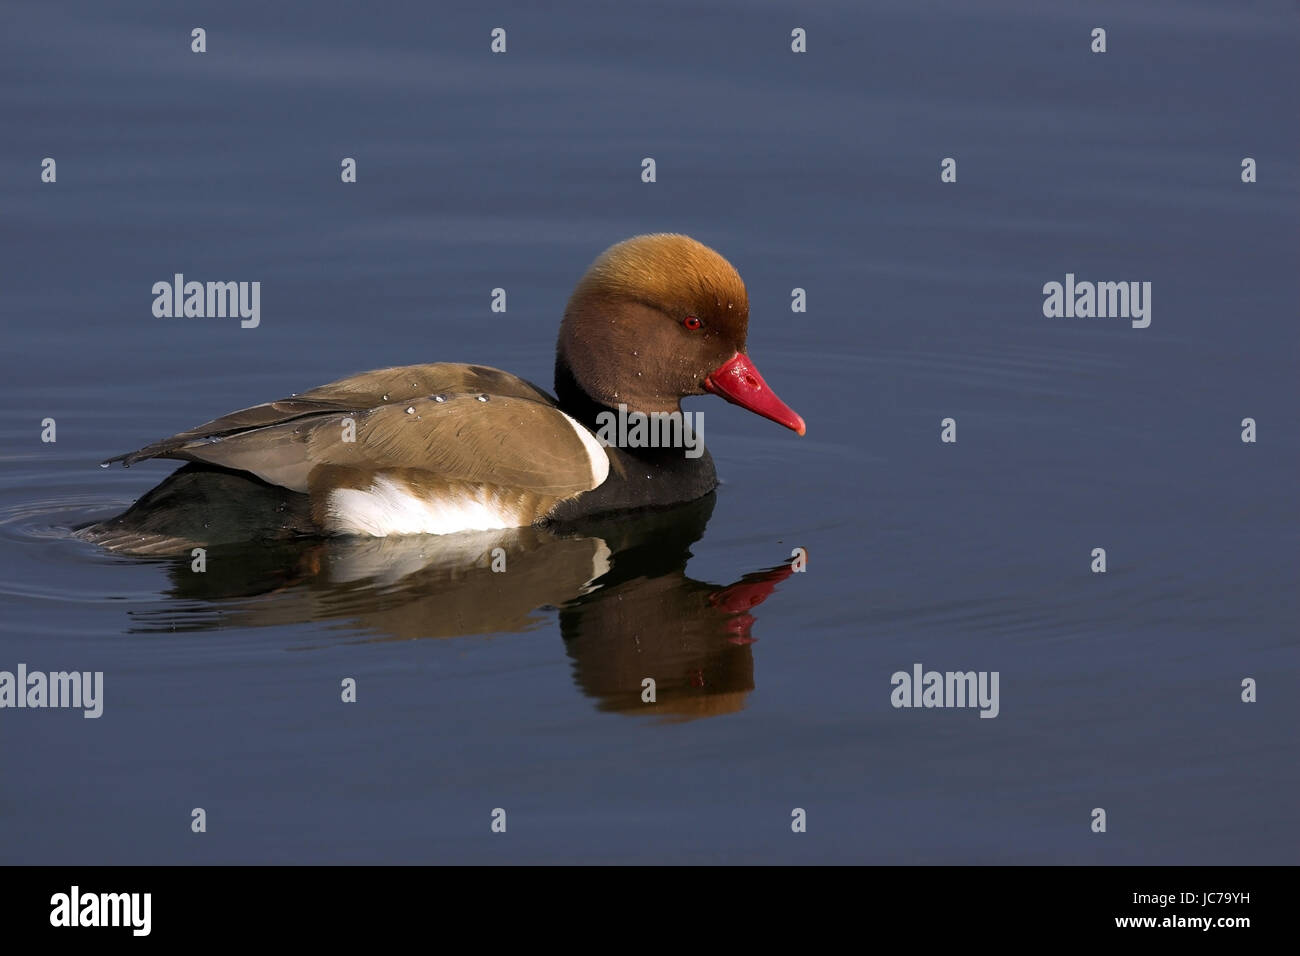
[506, 441]
[395, 386]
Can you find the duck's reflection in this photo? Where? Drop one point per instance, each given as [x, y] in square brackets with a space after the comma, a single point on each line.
[627, 609]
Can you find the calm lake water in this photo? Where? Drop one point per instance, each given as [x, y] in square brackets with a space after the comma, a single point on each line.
[522, 691]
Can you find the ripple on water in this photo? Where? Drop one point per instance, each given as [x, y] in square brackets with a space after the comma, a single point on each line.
[42, 559]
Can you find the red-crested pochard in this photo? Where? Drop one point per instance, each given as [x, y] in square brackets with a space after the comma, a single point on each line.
[443, 448]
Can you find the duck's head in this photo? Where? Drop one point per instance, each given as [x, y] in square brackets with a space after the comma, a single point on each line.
[657, 318]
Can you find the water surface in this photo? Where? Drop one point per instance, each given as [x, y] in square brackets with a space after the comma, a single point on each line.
[522, 691]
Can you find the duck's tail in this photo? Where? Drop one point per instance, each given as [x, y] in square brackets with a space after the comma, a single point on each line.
[199, 506]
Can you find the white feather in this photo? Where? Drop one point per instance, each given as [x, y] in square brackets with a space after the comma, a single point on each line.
[596, 454]
[388, 508]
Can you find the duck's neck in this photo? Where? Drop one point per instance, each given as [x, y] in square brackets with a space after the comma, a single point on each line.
[574, 400]
[640, 477]
[578, 404]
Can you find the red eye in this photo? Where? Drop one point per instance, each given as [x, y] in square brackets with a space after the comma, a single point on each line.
[691, 322]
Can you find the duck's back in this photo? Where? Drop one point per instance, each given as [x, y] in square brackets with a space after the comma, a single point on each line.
[430, 449]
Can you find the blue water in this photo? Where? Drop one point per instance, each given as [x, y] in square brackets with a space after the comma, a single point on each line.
[820, 171]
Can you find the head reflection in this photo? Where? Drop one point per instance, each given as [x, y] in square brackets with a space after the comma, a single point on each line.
[628, 612]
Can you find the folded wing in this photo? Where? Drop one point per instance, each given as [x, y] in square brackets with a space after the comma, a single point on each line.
[462, 423]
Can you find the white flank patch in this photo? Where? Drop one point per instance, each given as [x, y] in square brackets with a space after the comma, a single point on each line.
[596, 454]
[388, 508]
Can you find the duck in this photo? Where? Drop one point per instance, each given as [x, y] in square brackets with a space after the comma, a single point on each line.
[445, 447]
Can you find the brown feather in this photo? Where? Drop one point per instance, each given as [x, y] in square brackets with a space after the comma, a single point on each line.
[433, 427]
[509, 442]
[388, 386]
